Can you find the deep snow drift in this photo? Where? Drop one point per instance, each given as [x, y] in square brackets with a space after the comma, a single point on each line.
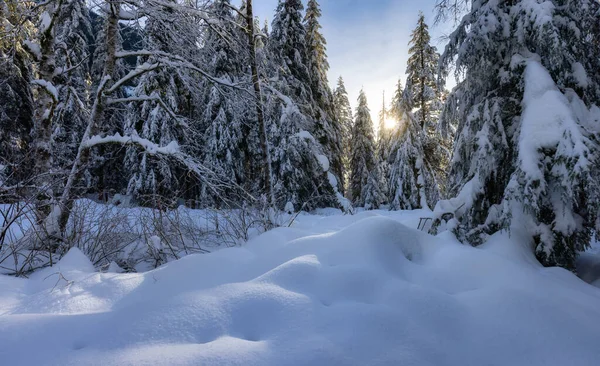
[332, 290]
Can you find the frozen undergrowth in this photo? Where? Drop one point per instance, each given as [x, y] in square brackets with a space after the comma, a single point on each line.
[331, 290]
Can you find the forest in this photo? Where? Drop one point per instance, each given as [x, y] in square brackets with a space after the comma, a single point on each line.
[458, 227]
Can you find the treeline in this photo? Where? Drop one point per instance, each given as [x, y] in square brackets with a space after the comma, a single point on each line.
[173, 102]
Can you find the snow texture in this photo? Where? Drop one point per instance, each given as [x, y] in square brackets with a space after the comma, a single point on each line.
[330, 290]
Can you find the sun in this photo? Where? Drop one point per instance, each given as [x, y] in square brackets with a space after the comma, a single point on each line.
[390, 123]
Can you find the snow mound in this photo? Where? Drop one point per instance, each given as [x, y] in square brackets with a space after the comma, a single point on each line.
[330, 290]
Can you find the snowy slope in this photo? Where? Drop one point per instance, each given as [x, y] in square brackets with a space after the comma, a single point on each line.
[332, 290]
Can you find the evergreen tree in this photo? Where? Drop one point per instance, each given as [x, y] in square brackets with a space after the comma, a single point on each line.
[72, 77]
[16, 100]
[227, 143]
[409, 172]
[423, 95]
[300, 167]
[328, 129]
[384, 146]
[165, 108]
[524, 149]
[343, 112]
[364, 180]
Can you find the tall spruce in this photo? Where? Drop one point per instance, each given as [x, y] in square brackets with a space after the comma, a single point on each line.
[165, 108]
[384, 146]
[300, 167]
[328, 129]
[226, 117]
[409, 173]
[16, 99]
[364, 180]
[526, 113]
[423, 96]
[344, 115]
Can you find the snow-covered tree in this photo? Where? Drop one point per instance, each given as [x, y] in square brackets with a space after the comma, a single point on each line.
[344, 115]
[364, 179]
[384, 146]
[423, 93]
[328, 129]
[526, 114]
[16, 100]
[228, 146]
[412, 184]
[300, 166]
[165, 104]
[71, 78]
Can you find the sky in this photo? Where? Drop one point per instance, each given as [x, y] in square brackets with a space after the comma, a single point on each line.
[368, 42]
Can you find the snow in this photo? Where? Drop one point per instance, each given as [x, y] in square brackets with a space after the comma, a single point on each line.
[332, 289]
[324, 162]
[547, 118]
[580, 75]
[34, 48]
[45, 22]
[48, 86]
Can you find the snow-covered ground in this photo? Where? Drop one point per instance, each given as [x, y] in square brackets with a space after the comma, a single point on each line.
[357, 290]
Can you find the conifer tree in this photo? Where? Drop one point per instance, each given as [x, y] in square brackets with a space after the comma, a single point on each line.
[16, 99]
[165, 108]
[364, 180]
[300, 167]
[227, 141]
[328, 129]
[525, 154]
[409, 172]
[72, 53]
[344, 115]
[384, 146]
[423, 95]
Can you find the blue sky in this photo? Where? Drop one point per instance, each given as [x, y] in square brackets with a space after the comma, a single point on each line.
[368, 41]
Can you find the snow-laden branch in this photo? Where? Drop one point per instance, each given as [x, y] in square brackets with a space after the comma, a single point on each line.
[176, 61]
[141, 69]
[48, 88]
[213, 181]
[147, 98]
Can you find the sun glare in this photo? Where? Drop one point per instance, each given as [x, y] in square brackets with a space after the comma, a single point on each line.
[390, 123]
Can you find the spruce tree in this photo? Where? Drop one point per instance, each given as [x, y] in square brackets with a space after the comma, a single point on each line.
[72, 54]
[165, 108]
[226, 117]
[410, 178]
[364, 180]
[16, 99]
[328, 129]
[524, 151]
[384, 146]
[423, 95]
[344, 115]
[301, 173]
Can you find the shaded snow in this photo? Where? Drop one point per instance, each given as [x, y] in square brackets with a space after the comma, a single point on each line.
[330, 290]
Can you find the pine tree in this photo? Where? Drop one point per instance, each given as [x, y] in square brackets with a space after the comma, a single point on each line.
[16, 99]
[73, 34]
[384, 146]
[344, 115]
[364, 180]
[227, 142]
[328, 129]
[524, 151]
[165, 108]
[409, 172]
[423, 96]
[300, 167]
